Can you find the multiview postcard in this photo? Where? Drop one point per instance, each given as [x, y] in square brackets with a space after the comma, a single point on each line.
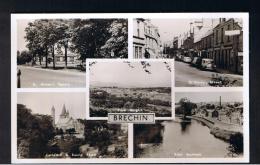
[130, 88]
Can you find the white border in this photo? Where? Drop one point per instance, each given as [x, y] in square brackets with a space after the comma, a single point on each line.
[130, 16]
[171, 61]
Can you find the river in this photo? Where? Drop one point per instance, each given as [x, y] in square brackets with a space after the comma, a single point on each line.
[186, 139]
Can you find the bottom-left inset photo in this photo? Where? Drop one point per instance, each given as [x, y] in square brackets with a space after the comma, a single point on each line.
[54, 125]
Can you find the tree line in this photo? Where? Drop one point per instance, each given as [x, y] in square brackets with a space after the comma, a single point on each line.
[89, 38]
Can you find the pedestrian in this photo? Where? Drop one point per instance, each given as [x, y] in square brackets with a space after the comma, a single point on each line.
[18, 78]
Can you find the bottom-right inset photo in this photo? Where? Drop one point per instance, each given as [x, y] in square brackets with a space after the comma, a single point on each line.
[206, 125]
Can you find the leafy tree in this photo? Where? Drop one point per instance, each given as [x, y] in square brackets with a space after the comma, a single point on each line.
[24, 57]
[36, 37]
[65, 31]
[236, 143]
[89, 35]
[116, 45]
[34, 130]
[187, 106]
[120, 152]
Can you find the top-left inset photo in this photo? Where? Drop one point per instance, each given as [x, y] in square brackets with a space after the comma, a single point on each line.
[52, 53]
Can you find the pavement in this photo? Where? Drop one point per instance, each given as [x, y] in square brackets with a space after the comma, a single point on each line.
[188, 76]
[32, 77]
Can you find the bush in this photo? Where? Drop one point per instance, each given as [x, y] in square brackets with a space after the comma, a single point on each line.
[120, 152]
[236, 143]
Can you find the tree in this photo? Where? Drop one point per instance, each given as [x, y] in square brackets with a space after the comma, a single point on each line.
[187, 106]
[24, 57]
[65, 31]
[236, 143]
[120, 152]
[116, 45]
[33, 132]
[35, 40]
[89, 35]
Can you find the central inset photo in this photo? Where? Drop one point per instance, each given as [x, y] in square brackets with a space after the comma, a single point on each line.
[130, 86]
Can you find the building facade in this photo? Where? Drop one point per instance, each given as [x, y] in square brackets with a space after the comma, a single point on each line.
[222, 43]
[66, 122]
[228, 49]
[146, 39]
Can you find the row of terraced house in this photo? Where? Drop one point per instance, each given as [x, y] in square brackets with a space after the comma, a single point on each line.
[146, 39]
[223, 43]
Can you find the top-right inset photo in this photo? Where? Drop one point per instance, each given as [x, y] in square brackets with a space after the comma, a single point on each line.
[208, 52]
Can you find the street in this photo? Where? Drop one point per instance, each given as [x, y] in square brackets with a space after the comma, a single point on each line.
[187, 76]
[46, 78]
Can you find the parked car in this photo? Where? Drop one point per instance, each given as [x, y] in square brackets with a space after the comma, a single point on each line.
[186, 59]
[178, 57]
[196, 62]
[208, 64]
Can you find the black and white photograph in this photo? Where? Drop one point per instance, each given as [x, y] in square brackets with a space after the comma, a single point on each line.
[206, 125]
[207, 51]
[51, 53]
[54, 126]
[130, 87]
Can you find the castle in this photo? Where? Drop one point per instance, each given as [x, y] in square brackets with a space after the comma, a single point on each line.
[66, 122]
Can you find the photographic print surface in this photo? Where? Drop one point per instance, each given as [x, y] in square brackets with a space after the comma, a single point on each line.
[130, 86]
[52, 125]
[207, 51]
[52, 52]
[206, 125]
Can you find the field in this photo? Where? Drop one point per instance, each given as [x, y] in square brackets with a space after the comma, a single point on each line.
[105, 100]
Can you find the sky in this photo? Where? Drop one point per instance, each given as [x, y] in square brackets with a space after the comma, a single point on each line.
[21, 42]
[104, 74]
[197, 97]
[169, 28]
[42, 103]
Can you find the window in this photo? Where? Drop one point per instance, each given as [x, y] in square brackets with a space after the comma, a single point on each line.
[136, 52]
[140, 52]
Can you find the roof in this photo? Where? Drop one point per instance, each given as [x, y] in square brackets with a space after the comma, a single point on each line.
[239, 22]
[63, 112]
[205, 31]
[64, 121]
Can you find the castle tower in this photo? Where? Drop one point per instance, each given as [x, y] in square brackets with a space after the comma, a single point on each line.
[53, 115]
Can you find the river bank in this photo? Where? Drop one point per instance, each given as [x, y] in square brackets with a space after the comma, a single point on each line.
[219, 131]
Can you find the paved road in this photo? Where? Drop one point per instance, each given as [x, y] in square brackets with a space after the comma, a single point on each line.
[187, 76]
[47, 78]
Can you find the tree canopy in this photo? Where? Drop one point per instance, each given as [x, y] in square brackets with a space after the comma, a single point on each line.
[90, 38]
[33, 133]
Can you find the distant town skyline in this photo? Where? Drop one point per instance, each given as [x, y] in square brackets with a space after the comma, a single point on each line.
[198, 97]
[41, 103]
[104, 74]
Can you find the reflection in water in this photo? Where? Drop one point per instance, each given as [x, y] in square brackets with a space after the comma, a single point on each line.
[179, 139]
[185, 125]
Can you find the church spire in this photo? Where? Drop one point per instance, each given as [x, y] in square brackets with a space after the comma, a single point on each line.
[63, 112]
